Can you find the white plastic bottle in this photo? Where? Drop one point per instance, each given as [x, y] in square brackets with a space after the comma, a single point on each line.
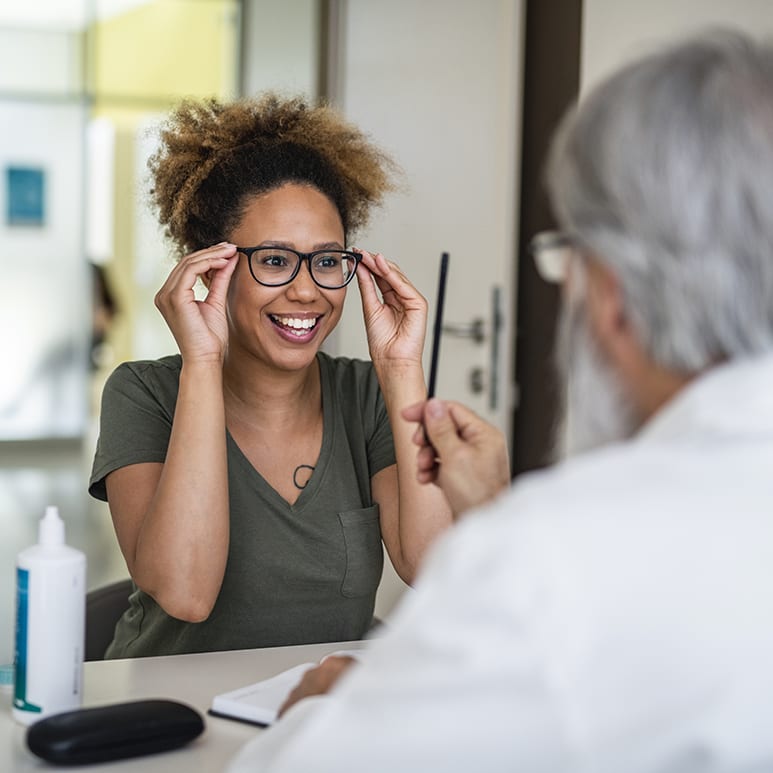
[50, 624]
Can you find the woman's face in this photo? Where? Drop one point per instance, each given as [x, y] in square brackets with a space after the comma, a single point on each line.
[284, 326]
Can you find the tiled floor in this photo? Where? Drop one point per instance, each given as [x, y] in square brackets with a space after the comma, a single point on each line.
[33, 475]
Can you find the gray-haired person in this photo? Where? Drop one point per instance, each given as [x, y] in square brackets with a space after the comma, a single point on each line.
[614, 613]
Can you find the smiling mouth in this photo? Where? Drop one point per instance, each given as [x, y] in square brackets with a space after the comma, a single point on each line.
[296, 325]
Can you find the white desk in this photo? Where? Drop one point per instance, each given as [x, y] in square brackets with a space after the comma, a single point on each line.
[191, 679]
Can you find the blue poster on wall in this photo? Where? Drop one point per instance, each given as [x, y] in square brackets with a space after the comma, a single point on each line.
[25, 189]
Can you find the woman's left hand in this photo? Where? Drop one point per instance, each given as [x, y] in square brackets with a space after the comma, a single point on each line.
[397, 321]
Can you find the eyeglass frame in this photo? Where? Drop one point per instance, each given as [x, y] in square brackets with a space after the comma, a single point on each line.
[552, 251]
[302, 256]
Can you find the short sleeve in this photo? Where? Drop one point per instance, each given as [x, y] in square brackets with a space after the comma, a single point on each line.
[381, 446]
[362, 409]
[136, 415]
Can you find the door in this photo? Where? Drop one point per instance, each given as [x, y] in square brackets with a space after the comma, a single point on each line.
[437, 85]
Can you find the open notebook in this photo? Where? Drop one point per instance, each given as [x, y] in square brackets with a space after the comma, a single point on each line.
[260, 702]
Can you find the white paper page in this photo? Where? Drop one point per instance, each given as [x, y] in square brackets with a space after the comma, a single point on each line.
[261, 701]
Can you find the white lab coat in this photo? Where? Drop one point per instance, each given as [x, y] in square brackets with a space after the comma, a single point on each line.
[613, 614]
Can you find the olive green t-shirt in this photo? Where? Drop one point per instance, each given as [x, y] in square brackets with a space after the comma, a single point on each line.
[296, 574]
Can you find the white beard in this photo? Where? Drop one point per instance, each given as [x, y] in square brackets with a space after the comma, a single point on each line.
[596, 411]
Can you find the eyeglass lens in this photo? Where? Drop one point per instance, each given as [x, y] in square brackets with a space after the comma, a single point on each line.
[330, 268]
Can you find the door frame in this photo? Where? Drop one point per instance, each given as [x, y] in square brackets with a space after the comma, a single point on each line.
[551, 84]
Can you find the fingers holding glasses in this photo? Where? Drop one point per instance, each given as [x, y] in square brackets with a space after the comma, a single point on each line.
[204, 264]
[387, 274]
[218, 279]
[199, 327]
[395, 321]
[395, 287]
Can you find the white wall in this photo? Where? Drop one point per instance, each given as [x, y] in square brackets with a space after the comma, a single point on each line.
[281, 46]
[614, 31]
[46, 308]
[40, 61]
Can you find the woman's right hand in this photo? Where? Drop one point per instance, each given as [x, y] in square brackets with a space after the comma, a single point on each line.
[199, 327]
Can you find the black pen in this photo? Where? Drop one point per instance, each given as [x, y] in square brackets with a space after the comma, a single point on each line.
[441, 296]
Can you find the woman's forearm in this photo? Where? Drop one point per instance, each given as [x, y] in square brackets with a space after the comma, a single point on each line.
[422, 511]
[182, 544]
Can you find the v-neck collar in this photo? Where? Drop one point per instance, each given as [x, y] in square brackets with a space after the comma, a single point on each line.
[328, 435]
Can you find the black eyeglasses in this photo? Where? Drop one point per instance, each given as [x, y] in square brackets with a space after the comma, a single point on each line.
[277, 266]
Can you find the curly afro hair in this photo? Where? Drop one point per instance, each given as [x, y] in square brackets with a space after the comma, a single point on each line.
[215, 157]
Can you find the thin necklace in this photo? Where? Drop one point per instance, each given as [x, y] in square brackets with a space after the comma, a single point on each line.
[298, 469]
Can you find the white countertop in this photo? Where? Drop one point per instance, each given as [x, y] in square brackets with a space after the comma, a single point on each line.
[191, 679]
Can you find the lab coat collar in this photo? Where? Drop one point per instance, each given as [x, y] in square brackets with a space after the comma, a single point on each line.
[733, 398]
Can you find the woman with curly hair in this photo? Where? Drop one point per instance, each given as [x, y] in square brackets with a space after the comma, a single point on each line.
[252, 478]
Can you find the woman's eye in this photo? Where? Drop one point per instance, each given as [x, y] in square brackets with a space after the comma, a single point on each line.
[274, 260]
[327, 261]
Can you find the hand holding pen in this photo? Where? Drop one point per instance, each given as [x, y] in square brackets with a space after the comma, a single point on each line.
[458, 451]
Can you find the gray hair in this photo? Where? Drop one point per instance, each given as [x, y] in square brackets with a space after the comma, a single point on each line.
[665, 174]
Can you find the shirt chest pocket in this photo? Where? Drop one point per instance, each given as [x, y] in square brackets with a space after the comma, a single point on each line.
[364, 554]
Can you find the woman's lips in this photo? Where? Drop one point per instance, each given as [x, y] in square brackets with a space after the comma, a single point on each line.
[300, 329]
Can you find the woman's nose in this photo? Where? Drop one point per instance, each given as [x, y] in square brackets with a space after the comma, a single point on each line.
[303, 286]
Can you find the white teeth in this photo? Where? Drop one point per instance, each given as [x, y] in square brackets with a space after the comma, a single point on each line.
[297, 324]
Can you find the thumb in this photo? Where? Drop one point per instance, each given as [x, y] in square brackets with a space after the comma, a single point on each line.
[413, 412]
[440, 426]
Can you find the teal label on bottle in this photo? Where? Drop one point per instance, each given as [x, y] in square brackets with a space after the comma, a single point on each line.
[20, 658]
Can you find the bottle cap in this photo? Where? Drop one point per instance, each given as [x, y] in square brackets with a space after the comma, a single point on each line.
[51, 529]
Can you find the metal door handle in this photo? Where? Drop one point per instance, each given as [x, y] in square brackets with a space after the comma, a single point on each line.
[497, 320]
[475, 330]
[476, 381]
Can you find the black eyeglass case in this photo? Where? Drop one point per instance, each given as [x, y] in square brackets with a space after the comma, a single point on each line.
[114, 732]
